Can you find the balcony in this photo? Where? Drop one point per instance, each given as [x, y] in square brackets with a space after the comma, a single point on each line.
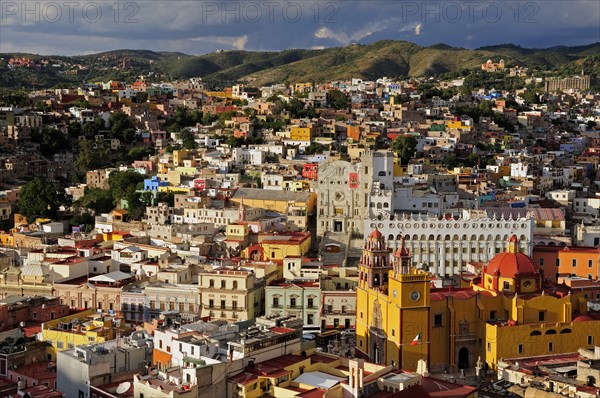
[339, 312]
[464, 337]
[222, 308]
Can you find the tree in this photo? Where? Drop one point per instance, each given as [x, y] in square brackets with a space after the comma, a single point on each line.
[136, 204]
[314, 148]
[51, 141]
[451, 161]
[85, 219]
[188, 139]
[40, 198]
[98, 200]
[338, 100]
[139, 152]
[121, 127]
[405, 146]
[74, 129]
[141, 97]
[89, 158]
[123, 183]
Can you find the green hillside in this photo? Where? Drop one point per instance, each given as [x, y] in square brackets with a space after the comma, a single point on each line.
[384, 58]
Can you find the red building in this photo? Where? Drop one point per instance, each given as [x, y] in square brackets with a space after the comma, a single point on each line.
[309, 171]
[14, 310]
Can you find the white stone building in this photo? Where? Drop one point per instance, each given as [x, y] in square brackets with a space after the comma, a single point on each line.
[446, 245]
[244, 156]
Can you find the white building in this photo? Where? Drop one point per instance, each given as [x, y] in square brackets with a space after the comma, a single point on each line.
[248, 156]
[273, 181]
[564, 197]
[588, 206]
[445, 246]
[82, 114]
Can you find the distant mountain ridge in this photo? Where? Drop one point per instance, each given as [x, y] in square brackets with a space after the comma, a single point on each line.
[383, 58]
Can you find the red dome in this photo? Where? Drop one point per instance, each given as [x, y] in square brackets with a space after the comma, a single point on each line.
[511, 265]
[375, 234]
[583, 318]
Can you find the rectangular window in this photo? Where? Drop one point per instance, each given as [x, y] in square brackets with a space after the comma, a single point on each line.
[489, 347]
[293, 302]
[590, 340]
[437, 320]
[275, 302]
[520, 348]
[492, 314]
[211, 303]
[541, 262]
[590, 263]
[558, 262]
[541, 316]
[310, 303]
[550, 346]
[574, 263]
[60, 345]
[222, 304]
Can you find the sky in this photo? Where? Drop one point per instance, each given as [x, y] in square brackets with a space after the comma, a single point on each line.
[71, 27]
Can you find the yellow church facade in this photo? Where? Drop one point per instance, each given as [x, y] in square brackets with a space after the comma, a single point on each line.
[509, 311]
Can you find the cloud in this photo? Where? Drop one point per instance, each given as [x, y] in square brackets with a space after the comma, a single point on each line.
[367, 30]
[418, 29]
[169, 26]
[236, 42]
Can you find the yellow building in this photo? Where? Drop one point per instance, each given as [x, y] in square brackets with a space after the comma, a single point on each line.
[277, 247]
[296, 185]
[86, 327]
[180, 155]
[302, 87]
[298, 133]
[232, 294]
[175, 189]
[458, 124]
[278, 201]
[510, 311]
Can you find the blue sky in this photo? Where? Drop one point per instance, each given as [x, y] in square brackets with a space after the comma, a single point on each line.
[70, 27]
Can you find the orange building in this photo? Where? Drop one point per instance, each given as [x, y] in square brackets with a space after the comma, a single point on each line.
[568, 260]
[353, 132]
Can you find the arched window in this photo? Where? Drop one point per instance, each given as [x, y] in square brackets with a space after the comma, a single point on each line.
[535, 333]
[565, 331]
[391, 237]
[551, 331]
[386, 205]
